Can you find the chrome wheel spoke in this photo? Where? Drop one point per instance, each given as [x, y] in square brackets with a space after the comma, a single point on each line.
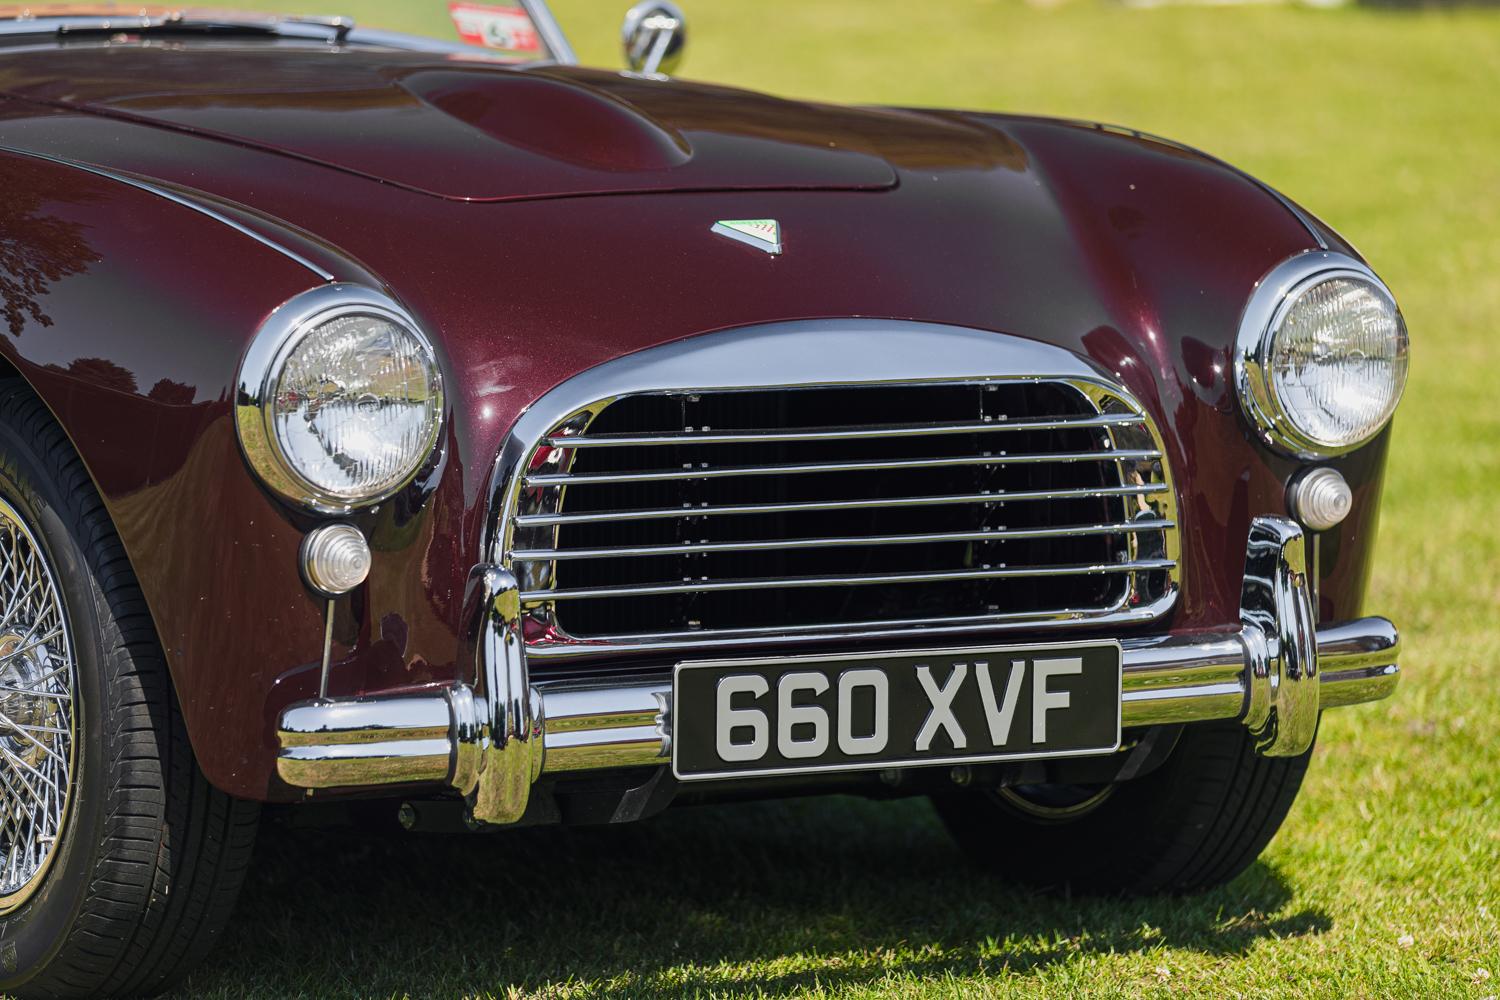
[16, 802]
[36, 694]
[14, 602]
[38, 674]
[10, 757]
[24, 732]
[37, 644]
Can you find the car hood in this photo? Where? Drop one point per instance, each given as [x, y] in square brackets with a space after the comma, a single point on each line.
[1134, 254]
[475, 130]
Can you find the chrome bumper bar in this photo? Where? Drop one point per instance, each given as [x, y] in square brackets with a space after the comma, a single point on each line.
[491, 742]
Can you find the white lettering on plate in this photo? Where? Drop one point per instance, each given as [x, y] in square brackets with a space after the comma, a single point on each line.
[728, 718]
[1043, 700]
[1001, 717]
[789, 715]
[941, 715]
[875, 680]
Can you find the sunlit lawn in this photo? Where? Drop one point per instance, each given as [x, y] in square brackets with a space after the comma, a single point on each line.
[1385, 880]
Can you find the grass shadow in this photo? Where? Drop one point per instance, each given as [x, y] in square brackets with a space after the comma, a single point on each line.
[756, 899]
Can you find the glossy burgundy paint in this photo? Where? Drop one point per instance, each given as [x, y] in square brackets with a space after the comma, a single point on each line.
[135, 305]
[481, 132]
[1135, 253]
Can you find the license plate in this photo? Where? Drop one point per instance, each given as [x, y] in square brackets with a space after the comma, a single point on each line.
[792, 715]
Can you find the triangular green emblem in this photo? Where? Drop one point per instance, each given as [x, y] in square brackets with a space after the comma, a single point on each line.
[763, 234]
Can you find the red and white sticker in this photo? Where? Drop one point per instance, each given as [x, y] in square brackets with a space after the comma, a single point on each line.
[507, 28]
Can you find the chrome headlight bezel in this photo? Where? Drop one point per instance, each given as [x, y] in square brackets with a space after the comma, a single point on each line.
[270, 348]
[1274, 297]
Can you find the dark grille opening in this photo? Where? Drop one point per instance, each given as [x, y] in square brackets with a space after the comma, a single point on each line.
[867, 505]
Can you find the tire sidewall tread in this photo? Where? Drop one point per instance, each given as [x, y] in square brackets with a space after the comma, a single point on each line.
[1195, 822]
[152, 856]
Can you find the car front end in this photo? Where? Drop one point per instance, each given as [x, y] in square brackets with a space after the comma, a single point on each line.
[730, 378]
[837, 495]
[496, 443]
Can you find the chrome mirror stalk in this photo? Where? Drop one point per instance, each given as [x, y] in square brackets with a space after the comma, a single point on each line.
[654, 34]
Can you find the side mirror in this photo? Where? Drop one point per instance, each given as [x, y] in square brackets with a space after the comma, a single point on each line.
[654, 33]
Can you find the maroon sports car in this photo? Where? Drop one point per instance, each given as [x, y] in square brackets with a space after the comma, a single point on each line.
[395, 428]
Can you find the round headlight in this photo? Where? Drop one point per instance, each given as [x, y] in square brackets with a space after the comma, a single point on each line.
[340, 399]
[1322, 355]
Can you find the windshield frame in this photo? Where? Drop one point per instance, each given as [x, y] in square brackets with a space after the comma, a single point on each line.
[30, 24]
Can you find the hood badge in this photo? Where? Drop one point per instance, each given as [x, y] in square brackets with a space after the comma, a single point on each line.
[762, 234]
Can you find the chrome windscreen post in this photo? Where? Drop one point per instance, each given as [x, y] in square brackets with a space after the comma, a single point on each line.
[550, 31]
[498, 730]
[1280, 639]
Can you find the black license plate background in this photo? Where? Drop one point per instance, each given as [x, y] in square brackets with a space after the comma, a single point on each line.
[1090, 725]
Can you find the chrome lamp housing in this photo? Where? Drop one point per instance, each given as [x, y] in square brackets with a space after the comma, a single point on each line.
[339, 400]
[1321, 356]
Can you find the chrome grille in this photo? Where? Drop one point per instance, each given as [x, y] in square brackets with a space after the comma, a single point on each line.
[698, 516]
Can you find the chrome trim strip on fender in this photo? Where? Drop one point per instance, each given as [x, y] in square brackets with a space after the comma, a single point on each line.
[160, 191]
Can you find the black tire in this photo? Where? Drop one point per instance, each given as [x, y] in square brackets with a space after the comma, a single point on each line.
[150, 857]
[1195, 822]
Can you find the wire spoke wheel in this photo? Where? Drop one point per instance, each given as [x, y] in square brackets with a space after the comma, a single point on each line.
[38, 716]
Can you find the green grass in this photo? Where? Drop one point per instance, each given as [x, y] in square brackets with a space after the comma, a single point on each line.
[1385, 880]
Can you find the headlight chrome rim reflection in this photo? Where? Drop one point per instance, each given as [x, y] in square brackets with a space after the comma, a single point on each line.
[1274, 298]
[274, 343]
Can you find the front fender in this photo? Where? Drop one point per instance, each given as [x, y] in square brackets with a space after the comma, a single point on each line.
[128, 313]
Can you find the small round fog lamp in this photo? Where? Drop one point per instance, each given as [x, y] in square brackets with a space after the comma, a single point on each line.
[1320, 499]
[335, 559]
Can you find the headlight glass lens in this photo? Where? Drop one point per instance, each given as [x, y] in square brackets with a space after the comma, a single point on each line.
[355, 406]
[1337, 361]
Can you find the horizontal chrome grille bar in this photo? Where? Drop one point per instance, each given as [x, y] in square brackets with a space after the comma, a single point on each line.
[875, 432]
[762, 636]
[699, 586]
[835, 505]
[669, 475]
[996, 535]
[657, 513]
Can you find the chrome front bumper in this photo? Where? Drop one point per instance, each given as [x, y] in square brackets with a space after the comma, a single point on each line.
[491, 742]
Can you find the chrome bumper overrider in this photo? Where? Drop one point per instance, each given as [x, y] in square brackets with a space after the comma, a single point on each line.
[491, 742]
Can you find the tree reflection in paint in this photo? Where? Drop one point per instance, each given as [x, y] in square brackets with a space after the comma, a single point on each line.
[36, 250]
